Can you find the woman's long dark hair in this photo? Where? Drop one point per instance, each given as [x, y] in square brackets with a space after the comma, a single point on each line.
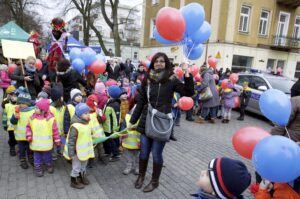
[168, 67]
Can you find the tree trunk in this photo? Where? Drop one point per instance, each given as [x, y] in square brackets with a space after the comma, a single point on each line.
[115, 29]
[100, 39]
[86, 32]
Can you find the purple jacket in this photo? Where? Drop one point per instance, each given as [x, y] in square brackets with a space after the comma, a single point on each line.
[4, 79]
[228, 96]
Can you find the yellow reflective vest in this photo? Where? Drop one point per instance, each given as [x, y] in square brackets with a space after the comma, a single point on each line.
[59, 117]
[97, 130]
[71, 110]
[9, 109]
[42, 139]
[132, 141]
[20, 129]
[84, 144]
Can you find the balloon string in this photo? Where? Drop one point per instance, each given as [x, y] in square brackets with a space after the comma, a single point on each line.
[287, 132]
[191, 50]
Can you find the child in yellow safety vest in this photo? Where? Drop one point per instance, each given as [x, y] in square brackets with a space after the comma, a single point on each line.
[79, 145]
[8, 110]
[20, 119]
[131, 144]
[41, 131]
[97, 118]
[57, 108]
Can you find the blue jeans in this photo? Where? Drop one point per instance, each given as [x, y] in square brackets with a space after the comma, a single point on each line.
[212, 111]
[149, 145]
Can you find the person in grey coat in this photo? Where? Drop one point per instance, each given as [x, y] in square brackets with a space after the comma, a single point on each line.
[209, 107]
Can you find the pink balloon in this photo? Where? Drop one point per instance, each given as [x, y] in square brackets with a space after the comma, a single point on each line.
[198, 78]
[111, 82]
[237, 102]
[234, 78]
[245, 139]
[170, 24]
[185, 103]
[179, 72]
[11, 68]
[97, 67]
[212, 62]
[194, 70]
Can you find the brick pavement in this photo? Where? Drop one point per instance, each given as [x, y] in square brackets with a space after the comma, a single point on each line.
[197, 144]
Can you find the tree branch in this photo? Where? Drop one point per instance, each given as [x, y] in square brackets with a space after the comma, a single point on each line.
[103, 11]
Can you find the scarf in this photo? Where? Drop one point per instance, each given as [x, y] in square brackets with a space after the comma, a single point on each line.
[157, 75]
[29, 70]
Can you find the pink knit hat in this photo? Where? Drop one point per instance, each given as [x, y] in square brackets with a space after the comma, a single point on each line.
[43, 104]
[100, 88]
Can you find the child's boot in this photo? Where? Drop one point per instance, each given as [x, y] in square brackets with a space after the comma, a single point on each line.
[12, 151]
[75, 183]
[38, 170]
[128, 168]
[84, 179]
[30, 159]
[50, 168]
[24, 164]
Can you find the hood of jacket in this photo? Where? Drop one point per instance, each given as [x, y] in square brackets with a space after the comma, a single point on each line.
[76, 119]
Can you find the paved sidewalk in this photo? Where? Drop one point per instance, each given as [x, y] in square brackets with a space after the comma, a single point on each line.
[197, 144]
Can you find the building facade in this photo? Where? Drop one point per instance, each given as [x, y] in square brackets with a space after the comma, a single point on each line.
[246, 34]
[129, 30]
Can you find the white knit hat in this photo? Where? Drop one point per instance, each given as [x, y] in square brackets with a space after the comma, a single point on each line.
[74, 93]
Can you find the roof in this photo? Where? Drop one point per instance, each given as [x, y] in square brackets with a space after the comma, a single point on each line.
[11, 31]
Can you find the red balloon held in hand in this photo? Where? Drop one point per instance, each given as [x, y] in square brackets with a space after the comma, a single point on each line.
[11, 68]
[198, 78]
[97, 67]
[179, 72]
[245, 139]
[234, 78]
[224, 84]
[38, 64]
[194, 70]
[170, 24]
[185, 103]
[212, 62]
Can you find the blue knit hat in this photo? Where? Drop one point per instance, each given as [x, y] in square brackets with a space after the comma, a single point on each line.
[229, 178]
[81, 109]
[23, 96]
[114, 91]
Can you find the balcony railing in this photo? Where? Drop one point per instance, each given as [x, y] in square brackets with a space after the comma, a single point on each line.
[289, 3]
[285, 42]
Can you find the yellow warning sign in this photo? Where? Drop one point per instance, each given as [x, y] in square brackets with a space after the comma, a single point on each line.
[218, 55]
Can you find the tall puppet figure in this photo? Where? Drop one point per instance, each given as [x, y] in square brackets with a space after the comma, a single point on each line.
[58, 46]
[35, 39]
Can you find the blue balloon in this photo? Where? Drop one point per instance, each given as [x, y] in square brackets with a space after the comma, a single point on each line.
[88, 57]
[160, 39]
[276, 158]
[193, 53]
[276, 106]
[194, 16]
[202, 34]
[75, 53]
[78, 65]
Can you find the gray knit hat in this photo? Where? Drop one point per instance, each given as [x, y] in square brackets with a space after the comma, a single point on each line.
[24, 96]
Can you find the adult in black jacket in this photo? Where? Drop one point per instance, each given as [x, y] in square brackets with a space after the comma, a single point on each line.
[113, 69]
[128, 68]
[69, 78]
[295, 90]
[160, 74]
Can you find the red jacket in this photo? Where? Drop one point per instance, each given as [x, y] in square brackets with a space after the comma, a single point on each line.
[281, 191]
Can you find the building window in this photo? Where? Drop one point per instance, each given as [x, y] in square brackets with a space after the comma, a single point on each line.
[297, 72]
[154, 2]
[135, 55]
[263, 24]
[152, 26]
[241, 63]
[270, 64]
[296, 33]
[280, 64]
[244, 19]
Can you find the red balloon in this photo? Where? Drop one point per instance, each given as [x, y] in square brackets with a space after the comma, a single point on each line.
[198, 78]
[234, 78]
[170, 24]
[11, 68]
[245, 139]
[179, 72]
[212, 62]
[224, 84]
[194, 70]
[237, 102]
[185, 103]
[98, 67]
[38, 64]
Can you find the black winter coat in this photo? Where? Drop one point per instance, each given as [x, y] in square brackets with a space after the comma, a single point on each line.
[113, 73]
[70, 79]
[161, 101]
[295, 90]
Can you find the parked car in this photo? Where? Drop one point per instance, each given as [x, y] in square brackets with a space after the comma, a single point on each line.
[260, 82]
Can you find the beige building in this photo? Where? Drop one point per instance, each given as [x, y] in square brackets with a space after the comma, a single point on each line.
[246, 34]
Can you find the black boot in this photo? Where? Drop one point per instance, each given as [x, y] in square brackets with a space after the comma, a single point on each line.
[155, 178]
[12, 151]
[172, 137]
[240, 118]
[75, 183]
[84, 179]
[24, 164]
[142, 172]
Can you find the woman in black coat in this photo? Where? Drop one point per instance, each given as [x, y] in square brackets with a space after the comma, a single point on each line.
[160, 73]
[69, 78]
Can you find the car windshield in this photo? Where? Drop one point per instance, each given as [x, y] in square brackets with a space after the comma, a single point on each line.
[284, 85]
